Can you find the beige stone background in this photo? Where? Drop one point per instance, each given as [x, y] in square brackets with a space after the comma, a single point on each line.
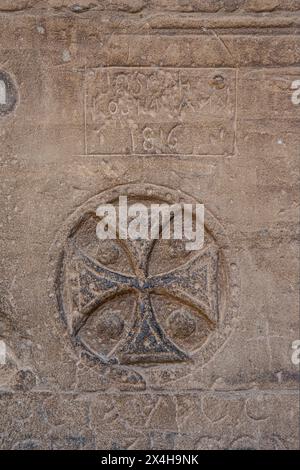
[244, 390]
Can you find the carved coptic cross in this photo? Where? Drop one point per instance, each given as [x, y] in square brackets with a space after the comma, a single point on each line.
[193, 283]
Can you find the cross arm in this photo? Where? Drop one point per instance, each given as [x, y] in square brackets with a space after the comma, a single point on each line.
[97, 284]
[194, 283]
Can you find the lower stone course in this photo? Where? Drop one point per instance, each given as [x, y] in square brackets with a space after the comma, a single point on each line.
[195, 420]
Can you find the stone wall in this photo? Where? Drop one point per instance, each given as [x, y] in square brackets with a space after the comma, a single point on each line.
[162, 101]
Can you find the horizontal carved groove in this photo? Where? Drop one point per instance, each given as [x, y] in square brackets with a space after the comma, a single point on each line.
[222, 22]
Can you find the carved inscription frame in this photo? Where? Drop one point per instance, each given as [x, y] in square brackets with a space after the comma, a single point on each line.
[161, 111]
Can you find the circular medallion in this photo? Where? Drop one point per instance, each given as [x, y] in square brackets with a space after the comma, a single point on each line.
[145, 302]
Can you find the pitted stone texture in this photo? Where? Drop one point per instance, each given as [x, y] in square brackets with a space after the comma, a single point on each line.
[221, 72]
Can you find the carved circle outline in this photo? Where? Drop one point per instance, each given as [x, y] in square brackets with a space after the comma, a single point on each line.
[229, 315]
